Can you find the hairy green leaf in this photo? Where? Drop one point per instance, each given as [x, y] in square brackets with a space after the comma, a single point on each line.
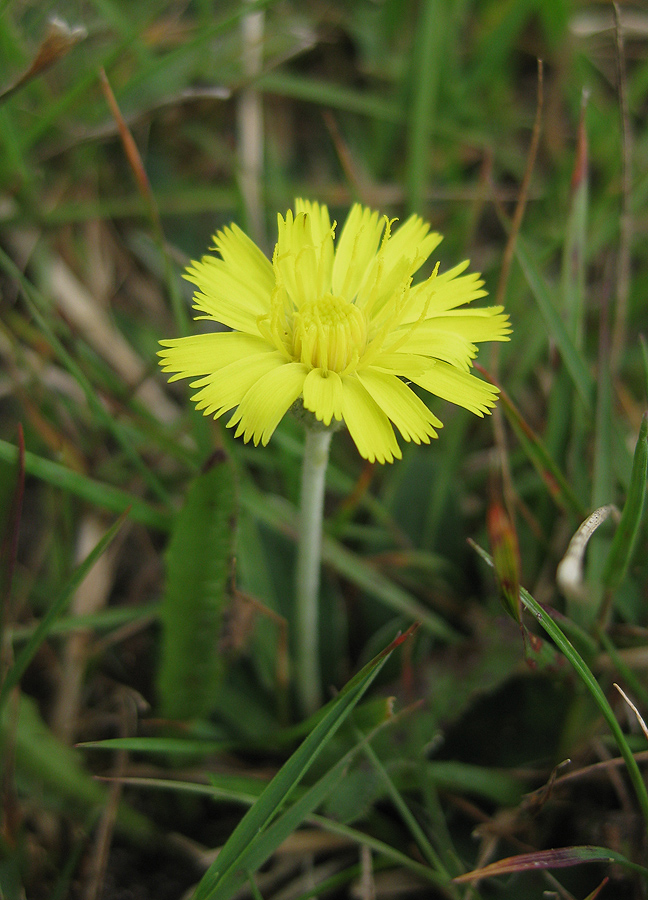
[198, 562]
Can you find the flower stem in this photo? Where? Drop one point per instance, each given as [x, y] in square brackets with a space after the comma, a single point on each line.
[309, 554]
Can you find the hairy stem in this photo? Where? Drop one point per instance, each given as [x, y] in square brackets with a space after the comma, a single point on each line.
[309, 553]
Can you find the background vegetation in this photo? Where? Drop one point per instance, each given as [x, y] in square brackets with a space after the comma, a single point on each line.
[139, 633]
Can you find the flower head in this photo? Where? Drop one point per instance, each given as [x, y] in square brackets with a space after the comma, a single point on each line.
[338, 325]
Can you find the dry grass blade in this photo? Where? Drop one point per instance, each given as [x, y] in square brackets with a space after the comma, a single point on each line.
[560, 858]
[57, 43]
[144, 187]
[90, 597]
[81, 309]
[634, 709]
[130, 148]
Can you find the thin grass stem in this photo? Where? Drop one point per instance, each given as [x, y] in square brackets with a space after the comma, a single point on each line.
[586, 676]
[424, 845]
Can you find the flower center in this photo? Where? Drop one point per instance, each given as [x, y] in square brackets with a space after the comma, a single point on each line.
[329, 333]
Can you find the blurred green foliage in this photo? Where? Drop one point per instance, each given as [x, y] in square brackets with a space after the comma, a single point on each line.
[403, 105]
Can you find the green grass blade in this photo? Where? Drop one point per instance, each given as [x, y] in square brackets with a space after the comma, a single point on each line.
[151, 81]
[323, 93]
[43, 628]
[500, 31]
[13, 164]
[268, 841]
[425, 77]
[379, 847]
[286, 780]
[392, 595]
[54, 770]
[584, 673]
[83, 87]
[280, 515]
[602, 488]
[633, 681]
[575, 248]
[644, 359]
[559, 488]
[165, 745]
[35, 302]
[261, 848]
[427, 850]
[109, 619]
[103, 495]
[625, 537]
[603, 477]
[554, 324]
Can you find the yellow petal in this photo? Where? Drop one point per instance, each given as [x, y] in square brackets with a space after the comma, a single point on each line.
[323, 395]
[488, 323]
[225, 389]
[202, 354]
[383, 292]
[411, 240]
[458, 387]
[367, 423]
[453, 337]
[400, 364]
[228, 296]
[451, 348]
[319, 216]
[322, 234]
[355, 250]
[240, 253]
[267, 401]
[444, 292]
[296, 258]
[293, 233]
[407, 411]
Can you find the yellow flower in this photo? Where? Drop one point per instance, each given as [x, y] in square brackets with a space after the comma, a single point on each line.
[339, 326]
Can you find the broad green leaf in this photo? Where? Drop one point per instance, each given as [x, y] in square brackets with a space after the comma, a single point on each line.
[496, 785]
[198, 564]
